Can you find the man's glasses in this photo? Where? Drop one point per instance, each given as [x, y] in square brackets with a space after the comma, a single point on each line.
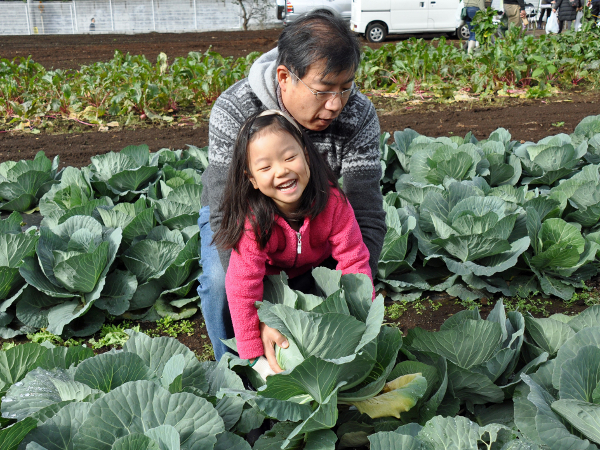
[323, 96]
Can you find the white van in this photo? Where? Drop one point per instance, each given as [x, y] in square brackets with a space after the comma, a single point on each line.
[375, 19]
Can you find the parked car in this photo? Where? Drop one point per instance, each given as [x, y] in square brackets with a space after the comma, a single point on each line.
[375, 19]
[280, 9]
[295, 8]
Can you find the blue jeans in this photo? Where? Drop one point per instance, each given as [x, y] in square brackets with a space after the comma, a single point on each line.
[211, 289]
[471, 11]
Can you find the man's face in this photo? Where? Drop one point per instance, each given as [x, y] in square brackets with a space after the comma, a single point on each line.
[302, 104]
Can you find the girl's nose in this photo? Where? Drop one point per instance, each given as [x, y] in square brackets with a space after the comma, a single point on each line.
[281, 170]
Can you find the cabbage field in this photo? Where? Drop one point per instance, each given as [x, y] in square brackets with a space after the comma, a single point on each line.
[489, 220]
[471, 218]
[508, 382]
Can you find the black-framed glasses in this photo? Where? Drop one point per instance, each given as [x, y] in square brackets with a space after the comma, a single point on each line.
[323, 96]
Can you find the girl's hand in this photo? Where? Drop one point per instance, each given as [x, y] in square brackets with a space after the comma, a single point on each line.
[270, 337]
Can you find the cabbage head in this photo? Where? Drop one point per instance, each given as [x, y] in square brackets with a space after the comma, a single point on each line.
[473, 233]
[72, 262]
[176, 197]
[72, 196]
[445, 159]
[165, 264]
[560, 257]
[124, 175]
[551, 159]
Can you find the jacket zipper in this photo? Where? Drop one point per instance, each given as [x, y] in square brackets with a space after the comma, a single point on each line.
[299, 248]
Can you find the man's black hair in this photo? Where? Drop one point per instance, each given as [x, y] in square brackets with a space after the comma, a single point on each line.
[319, 36]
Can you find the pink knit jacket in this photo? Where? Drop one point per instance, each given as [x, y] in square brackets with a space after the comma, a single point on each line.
[334, 232]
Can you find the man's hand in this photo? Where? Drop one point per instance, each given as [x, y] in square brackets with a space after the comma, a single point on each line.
[523, 14]
[271, 337]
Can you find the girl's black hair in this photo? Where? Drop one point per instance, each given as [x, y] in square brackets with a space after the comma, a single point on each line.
[240, 199]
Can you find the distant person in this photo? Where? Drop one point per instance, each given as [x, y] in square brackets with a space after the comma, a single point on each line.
[310, 76]
[472, 7]
[595, 5]
[515, 12]
[567, 13]
[93, 25]
[544, 12]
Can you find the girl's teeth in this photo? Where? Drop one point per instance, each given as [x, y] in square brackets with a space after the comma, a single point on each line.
[286, 186]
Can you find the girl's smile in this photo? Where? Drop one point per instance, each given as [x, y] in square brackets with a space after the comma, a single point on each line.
[278, 168]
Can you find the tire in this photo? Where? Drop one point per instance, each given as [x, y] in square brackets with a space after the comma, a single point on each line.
[376, 32]
[462, 32]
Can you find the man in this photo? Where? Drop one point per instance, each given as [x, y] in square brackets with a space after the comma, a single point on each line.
[515, 11]
[311, 77]
[595, 5]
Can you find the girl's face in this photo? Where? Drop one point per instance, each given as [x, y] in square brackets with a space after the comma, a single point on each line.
[278, 168]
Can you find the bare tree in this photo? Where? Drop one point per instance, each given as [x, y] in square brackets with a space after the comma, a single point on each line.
[253, 9]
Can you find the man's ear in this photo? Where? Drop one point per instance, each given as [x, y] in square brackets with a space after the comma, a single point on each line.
[284, 77]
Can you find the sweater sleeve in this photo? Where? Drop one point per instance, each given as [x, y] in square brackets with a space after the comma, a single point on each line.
[244, 286]
[361, 169]
[347, 246]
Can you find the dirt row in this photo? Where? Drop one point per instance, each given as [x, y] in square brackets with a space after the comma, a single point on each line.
[526, 120]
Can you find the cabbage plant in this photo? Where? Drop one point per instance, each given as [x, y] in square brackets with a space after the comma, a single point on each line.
[153, 394]
[124, 175]
[481, 355]
[135, 219]
[14, 246]
[191, 158]
[589, 129]
[70, 269]
[72, 196]
[338, 353]
[165, 264]
[551, 159]
[558, 406]
[560, 256]
[23, 183]
[395, 253]
[579, 196]
[176, 198]
[474, 234]
[504, 167]
[450, 433]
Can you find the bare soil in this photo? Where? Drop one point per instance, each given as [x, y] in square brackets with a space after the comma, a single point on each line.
[526, 120]
[72, 51]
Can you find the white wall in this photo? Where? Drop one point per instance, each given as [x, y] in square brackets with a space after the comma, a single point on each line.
[122, 16]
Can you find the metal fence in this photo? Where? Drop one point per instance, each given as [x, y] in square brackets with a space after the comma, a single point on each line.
[122, 16]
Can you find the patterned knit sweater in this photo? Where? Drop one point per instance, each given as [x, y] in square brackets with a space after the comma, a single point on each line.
[350, 145]
[334, 232]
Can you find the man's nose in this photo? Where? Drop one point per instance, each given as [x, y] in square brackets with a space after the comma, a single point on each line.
[335, 103]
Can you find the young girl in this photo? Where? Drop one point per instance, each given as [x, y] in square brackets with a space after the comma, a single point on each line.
[283, 210]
